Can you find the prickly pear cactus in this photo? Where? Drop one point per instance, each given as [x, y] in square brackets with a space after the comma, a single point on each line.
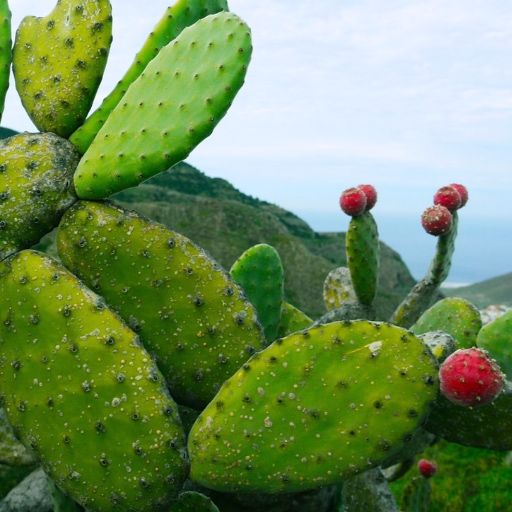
[81, 391]
[496, 337]
[174, 104]
[175, 19]
[59, 61]
[455, 316]
[292, 320]
[5, 51]
[192, 501]
[267, 430]
[188, 312]
[338, 288]
[260, 273]
[36, 187]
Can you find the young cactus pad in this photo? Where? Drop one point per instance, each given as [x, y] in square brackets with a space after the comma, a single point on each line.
[5, 51]
[362, 247]
[187, 310]
[175, 103]
[292, 320]
[455, 316]
[176, 18]
[260, 273]
[59, 62]
[80, 390]
[267, 430]
[36, 187]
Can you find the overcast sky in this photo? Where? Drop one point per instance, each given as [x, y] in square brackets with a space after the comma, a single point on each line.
[408, 95]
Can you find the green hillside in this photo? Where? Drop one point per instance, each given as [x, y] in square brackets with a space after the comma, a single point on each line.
[492, 291]
[226, 222]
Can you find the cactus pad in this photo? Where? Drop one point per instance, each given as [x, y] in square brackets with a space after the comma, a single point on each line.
[338, 288]
[191, 501]
[59, 62]
[5, 51]
[260, 273]
[176, 18]
[362, 247]
[187, 310]
[268, 431]
[292, 320]
[455, 316]
[496, 338]
[80, 390]
[36, 181]
[175, 103]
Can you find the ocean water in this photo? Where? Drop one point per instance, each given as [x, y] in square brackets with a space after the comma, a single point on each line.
[483, 248]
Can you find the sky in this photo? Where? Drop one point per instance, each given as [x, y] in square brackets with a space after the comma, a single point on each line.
[407, 95]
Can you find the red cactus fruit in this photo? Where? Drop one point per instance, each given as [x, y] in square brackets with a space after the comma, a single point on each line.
[469, 377]
[437, 220]
[371, 195]
[448, 197]
[427, 468]
[463, 191]
[353, 202]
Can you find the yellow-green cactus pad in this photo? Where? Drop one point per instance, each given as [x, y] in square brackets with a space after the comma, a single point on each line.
[174, 104]
[36, 187]
[59, 62]
[313, 409]
[292, 320]
[5, 51]
[83, 394]
[188, 311]
[338, 288]
[175, 19]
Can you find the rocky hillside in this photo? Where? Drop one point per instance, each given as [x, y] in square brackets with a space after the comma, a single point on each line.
[497, 290]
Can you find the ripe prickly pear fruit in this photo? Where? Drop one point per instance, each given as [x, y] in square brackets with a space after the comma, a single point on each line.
[448, 197]
[59, 60]
[437, 220]
[353, 201]
[267, 430]
[192, 501]
[463, 192]
[176, 18]
[427, 468]
[174, 104]
[260, 273]
[5, 51]
[470, 378]
[188, 312]
[36, 187]
[292, 320]
[371, 195]
[81, 391]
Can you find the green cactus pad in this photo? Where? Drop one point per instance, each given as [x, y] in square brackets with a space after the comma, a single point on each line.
[260, 273]
[59, 60]
[362, 247]
[424, 291]
[36, 187]
[455, 316]
[488, 426]
[313, 409]
[496, 338]
[338, 288]
[176, 18]
[192, 501]
[292, 320]
[187, 310]
[440, 343]
[417, 495]
[5, 51]
[80, 390]
[175, 103]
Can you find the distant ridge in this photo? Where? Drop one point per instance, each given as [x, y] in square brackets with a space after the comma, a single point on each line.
[497, 290]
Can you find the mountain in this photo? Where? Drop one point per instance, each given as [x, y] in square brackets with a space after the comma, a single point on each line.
[497, 290]
[226, 222]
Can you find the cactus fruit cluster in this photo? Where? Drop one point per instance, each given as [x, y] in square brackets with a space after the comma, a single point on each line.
[139, 374]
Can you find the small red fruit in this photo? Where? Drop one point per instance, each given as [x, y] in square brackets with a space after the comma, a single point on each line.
[427, 468]
[469, 377]
[437, 220]
[448, 197]
[463, 191]
[353, 202]
[371, 195]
